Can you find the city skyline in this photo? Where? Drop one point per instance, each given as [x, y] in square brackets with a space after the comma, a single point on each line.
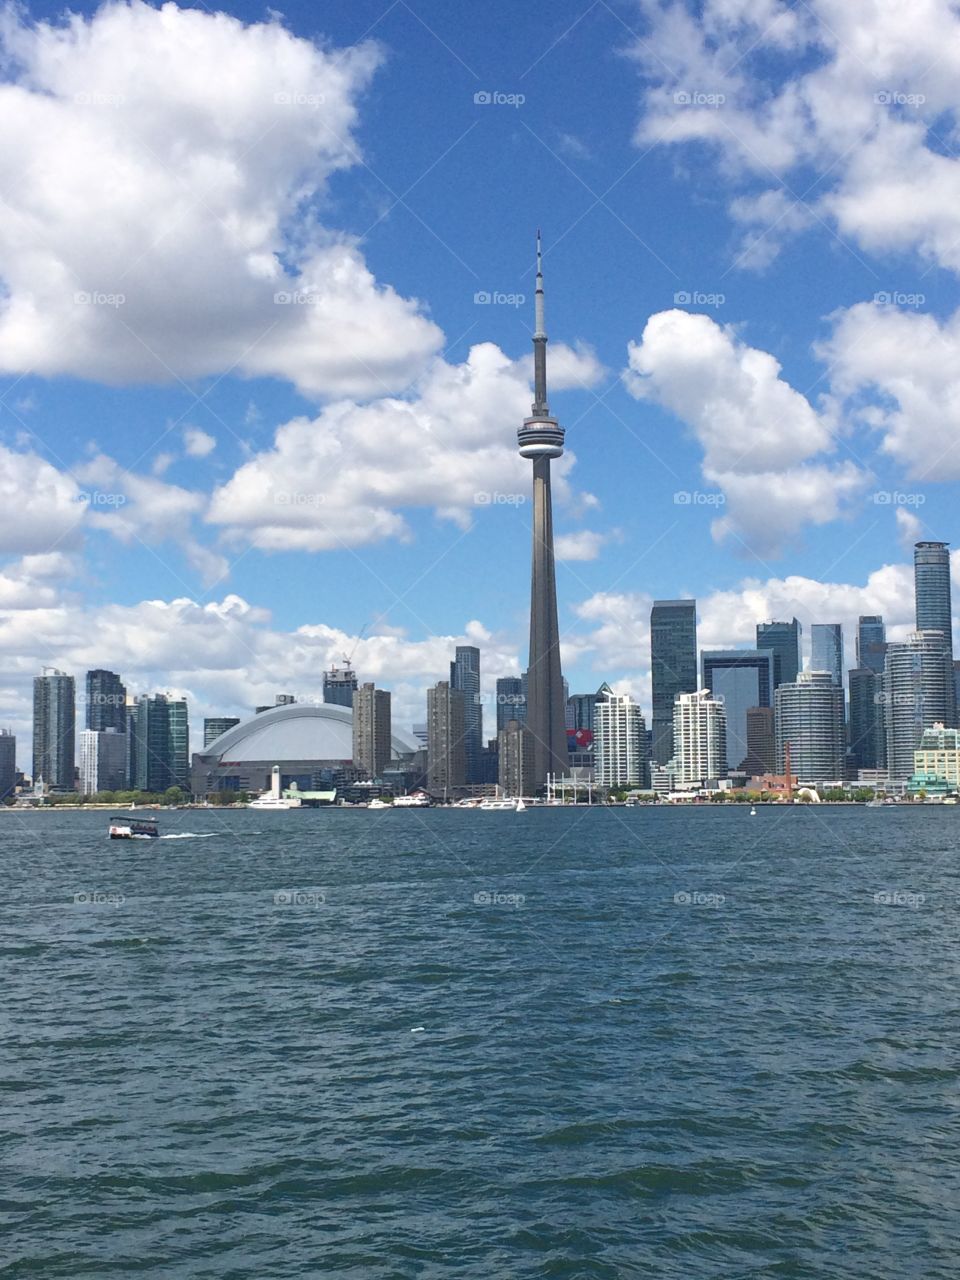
[191, 434]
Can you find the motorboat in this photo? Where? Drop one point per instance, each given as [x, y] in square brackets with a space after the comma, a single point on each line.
[126, 828]
[273, 799]
[416, 800]
[490, 803]
[377, 803]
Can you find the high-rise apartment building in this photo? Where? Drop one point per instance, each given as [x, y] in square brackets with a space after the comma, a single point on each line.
[871, 642]
[620, 742]
[158, 743]
[917, 693]
[741, 679]
[465, 676]
[673, 666]
[510, 704]
[214, 726]
[515, 759]
[106, 701]
[783, 641]
[446, 726]
[867, 728]
[761, 742]
[826, 649]
[699, 736]
[339, 684]
[372, 730]
[8, 763]
[808, 713]
[931, 575]
[54, 730]
[103, 761]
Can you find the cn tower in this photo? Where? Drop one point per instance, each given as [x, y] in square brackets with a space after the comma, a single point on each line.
[540, 439]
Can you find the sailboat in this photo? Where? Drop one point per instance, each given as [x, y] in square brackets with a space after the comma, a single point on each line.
[520, 805]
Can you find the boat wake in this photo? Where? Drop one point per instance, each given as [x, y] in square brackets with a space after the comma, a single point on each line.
[189, 835]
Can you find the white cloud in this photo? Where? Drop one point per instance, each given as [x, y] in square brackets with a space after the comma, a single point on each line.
[197, 443]
[40, 507]
[162, 171]
[584, 544]
[760, 436]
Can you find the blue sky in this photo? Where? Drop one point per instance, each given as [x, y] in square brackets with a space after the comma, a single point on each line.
[661, 149]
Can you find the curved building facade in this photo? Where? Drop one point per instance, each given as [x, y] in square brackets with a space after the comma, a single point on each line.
[309, 742]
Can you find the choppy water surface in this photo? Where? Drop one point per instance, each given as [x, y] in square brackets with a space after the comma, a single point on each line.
[566, 1043]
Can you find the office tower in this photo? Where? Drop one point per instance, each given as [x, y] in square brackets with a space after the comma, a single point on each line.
[741, 679]
[917, 693]
[783, 640]
[54, 725]
[956, 686]
[446, 725]
[103, 761]
[509, 701]
[540, 439]
[619, 738]
[371, 730]
[465, 676]
[516, 759]
[871, 642]
[214, 726]
[106, 701]
[826, 649]
[699, 737]
[673, 666]
[931, 574]
[339, 684]
[8, 763]
[761, 741]
[867, 733]
[581, 708]
[158, 752]
[809, 715]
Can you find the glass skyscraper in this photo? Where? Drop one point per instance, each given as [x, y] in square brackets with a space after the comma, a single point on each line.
[673, 666]
[510, 702]
[917, 694]
[741, 679]
[931, 574]
[826, 649]
[465, 676]
[54, 729]
[809, 716]
[871, 641]
[158, 744]
[783, 640]
[106, 701]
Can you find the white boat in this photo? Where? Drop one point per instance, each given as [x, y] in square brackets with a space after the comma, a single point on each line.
[520, 805]
[418, 800]
[753, 812]
[272, 800]
[377, 803]
[498, 804]
[133, 828]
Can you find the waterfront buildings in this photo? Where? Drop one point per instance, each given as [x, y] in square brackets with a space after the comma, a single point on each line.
[106, 697]
[699, 738]
[867, 729]
[673, 667]
[372, 730]
[338, 685]
[938, 755]
[158, 743]
[917, 693]
[465, 676]
[871, 642]
[540, 439]
[103, 761]
[826, 649]
[931, 573]
[741, 679]
[808, 713]
[8, 763]
[619, 740]
[516, 759]
[446, 725]
[214, 726]
[54, 730]
[783, 641]
[510, 701]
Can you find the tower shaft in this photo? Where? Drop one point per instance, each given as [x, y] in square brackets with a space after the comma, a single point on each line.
[546, 712]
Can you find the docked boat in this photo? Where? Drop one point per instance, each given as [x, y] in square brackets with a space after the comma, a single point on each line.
[417, 800]
[510, 805]
[127, 828]
[273, 800]
[377, 803]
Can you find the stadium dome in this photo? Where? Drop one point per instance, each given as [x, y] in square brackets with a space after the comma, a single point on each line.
[320, 732]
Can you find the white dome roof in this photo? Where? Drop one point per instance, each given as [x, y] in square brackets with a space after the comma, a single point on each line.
[299, 731]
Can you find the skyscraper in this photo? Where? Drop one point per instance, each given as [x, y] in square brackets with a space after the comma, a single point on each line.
[158, 752]
[213, 726]
[465, 676]
[509, 701]
[783, 639]
[54, 726]
[867, 736]
[931, 575]
[446, 723]
[8, 763]
[540, 439]
[871, 641]
[826, 649]
[917, 693]
[673, 666]
[699, 737]
[761, 741]
[106, 701]
[620, 742]
[339, 684]
[809, 716]
[371, 730]
[103, 761]
[515, 759]
[741, 679]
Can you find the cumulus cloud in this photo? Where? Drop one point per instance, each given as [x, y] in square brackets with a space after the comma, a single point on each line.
[40, 507]
[197, 443]
[585, 544]
[760, 436]
[163, 171]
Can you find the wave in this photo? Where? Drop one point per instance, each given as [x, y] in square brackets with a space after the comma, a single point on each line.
[189, 835]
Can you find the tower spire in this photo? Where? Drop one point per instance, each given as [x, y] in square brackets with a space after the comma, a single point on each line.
[540, 406]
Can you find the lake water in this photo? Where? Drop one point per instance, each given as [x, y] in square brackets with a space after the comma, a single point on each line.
[568, 1043]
